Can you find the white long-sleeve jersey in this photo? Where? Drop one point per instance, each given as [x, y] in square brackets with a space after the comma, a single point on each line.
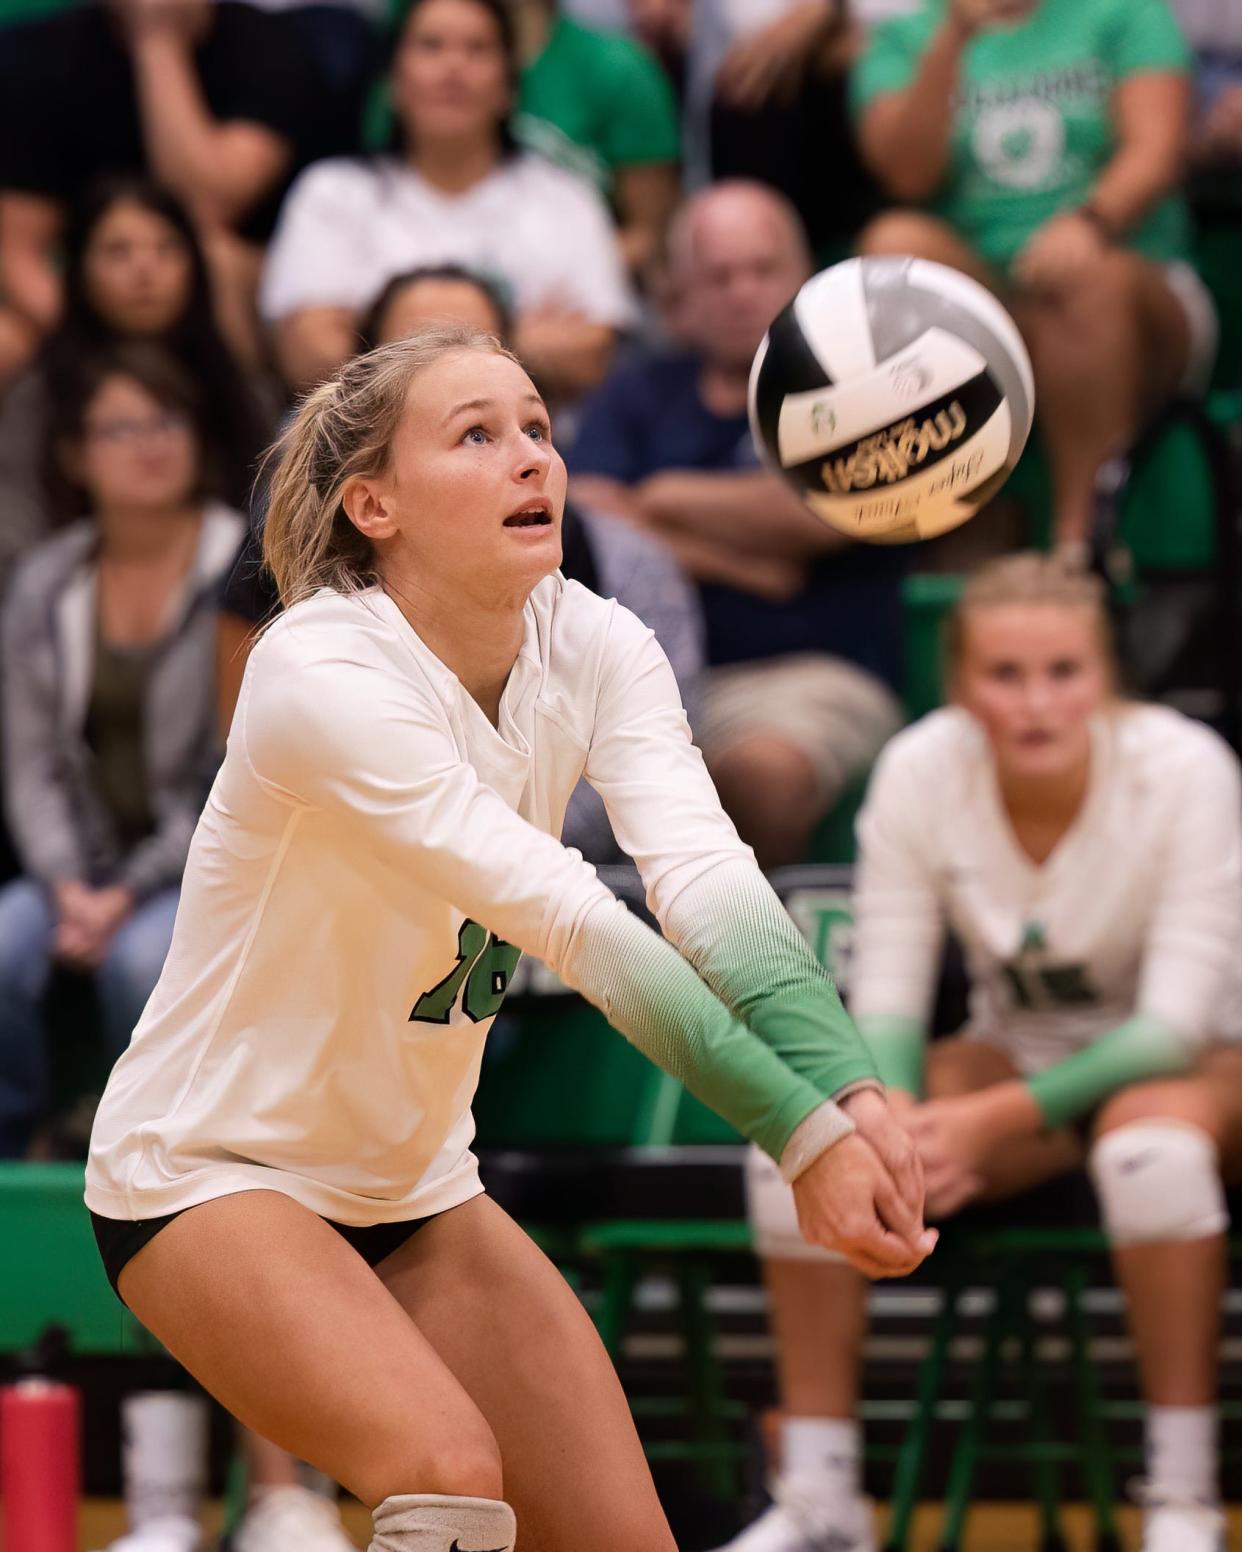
[373, 857]
[1136, 914]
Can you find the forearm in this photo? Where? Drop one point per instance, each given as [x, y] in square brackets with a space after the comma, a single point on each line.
[30, 284]
[178, 130]
[734, 931]
[311, 343]
[755, 513]
[566, 354]
[1132, 184]
[653, 996]
[767, 576]
[906, 137]
[1135, 1051]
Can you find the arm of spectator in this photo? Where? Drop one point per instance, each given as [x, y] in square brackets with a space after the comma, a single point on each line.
[750, 511]
[30, 225]
[312, 342]
[646, 194]
[1152, 113]
[906, 120]
[1219, 137]
[159, 861]
[219, 169]
[906, 106]
[566, 352]
[770, 62]
[37, 804]
[766, 576]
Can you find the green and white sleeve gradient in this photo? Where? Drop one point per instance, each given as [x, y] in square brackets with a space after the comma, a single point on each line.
[733, 929]
[1141, 1048]
[766, 1063]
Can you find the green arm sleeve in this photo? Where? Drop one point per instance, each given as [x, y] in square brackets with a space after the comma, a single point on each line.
[648, 992]
[733, 929]
[1138, 1049]
[898, 1047]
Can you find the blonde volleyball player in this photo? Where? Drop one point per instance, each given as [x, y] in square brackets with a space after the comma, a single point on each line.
[1087, 853]
[280, 1174]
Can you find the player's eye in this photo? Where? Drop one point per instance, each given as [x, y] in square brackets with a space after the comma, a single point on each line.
[539, 431]
[476, 436]
[1065, 668]
[1005, 673]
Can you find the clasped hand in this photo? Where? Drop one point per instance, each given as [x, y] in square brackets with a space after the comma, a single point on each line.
[863, 1197]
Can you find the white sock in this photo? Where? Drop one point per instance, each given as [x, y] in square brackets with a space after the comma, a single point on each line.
[434, 1522]
[163, 1456]
[826, 1450]
[1182, 1454]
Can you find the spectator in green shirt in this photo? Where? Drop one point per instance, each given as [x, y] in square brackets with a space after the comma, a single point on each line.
[601, 105]
[1043, 142]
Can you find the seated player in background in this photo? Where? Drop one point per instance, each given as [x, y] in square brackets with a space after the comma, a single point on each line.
[454, 188]
[108, 701]
[611, 559]
[1044, 142]
[803, 629]
[280, 1173]
[1087, 853]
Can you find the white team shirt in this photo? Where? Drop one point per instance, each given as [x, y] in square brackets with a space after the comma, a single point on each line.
[1137, 911]
[314, 1030]
[348, 225]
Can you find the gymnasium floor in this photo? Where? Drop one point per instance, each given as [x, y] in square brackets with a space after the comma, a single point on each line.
[994, 1527]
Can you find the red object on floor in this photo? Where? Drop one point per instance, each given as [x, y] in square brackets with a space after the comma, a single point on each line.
[40, 1432]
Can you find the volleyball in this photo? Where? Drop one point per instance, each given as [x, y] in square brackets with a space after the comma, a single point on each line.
[895, 396]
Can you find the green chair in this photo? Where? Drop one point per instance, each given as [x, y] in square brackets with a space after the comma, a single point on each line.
[1011, 1261]
[927, 601]
[53, 1274]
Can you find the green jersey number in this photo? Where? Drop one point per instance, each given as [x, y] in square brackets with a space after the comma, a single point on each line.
[1049, 986]
[484, 965]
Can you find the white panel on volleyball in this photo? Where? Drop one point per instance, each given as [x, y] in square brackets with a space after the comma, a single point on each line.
[820, 420]
[971, 296]
[831, 310]
[923, 504]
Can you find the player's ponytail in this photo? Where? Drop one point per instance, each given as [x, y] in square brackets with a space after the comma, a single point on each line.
[343, 430]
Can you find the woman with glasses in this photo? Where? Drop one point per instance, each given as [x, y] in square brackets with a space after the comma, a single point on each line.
[108, 707]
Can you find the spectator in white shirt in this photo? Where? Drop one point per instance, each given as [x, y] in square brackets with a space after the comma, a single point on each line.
[454, 190]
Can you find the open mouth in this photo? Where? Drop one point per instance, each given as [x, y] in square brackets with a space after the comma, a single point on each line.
[530, 517]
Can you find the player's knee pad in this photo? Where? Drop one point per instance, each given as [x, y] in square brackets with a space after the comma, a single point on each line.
[1158, 1181]
[773, 1216]
[426, 1522]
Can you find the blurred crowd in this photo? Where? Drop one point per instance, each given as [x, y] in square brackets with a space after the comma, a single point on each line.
[206, 206]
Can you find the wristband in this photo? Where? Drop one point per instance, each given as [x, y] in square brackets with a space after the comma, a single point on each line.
[814, 1134]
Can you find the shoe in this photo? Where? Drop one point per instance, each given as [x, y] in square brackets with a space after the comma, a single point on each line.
[803, 1519]
[1183, 1527]
[291, 1519]
[168, 1533]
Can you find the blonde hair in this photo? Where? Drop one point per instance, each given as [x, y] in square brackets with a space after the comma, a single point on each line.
[343, 430]
[1029, 578]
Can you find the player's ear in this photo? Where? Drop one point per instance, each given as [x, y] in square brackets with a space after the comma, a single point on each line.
[368, 509]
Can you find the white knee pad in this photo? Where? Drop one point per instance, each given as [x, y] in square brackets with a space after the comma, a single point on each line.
[1158, 1181]
[773, 1216]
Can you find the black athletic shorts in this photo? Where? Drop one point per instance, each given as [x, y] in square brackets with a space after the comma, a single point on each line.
[120, 1239]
